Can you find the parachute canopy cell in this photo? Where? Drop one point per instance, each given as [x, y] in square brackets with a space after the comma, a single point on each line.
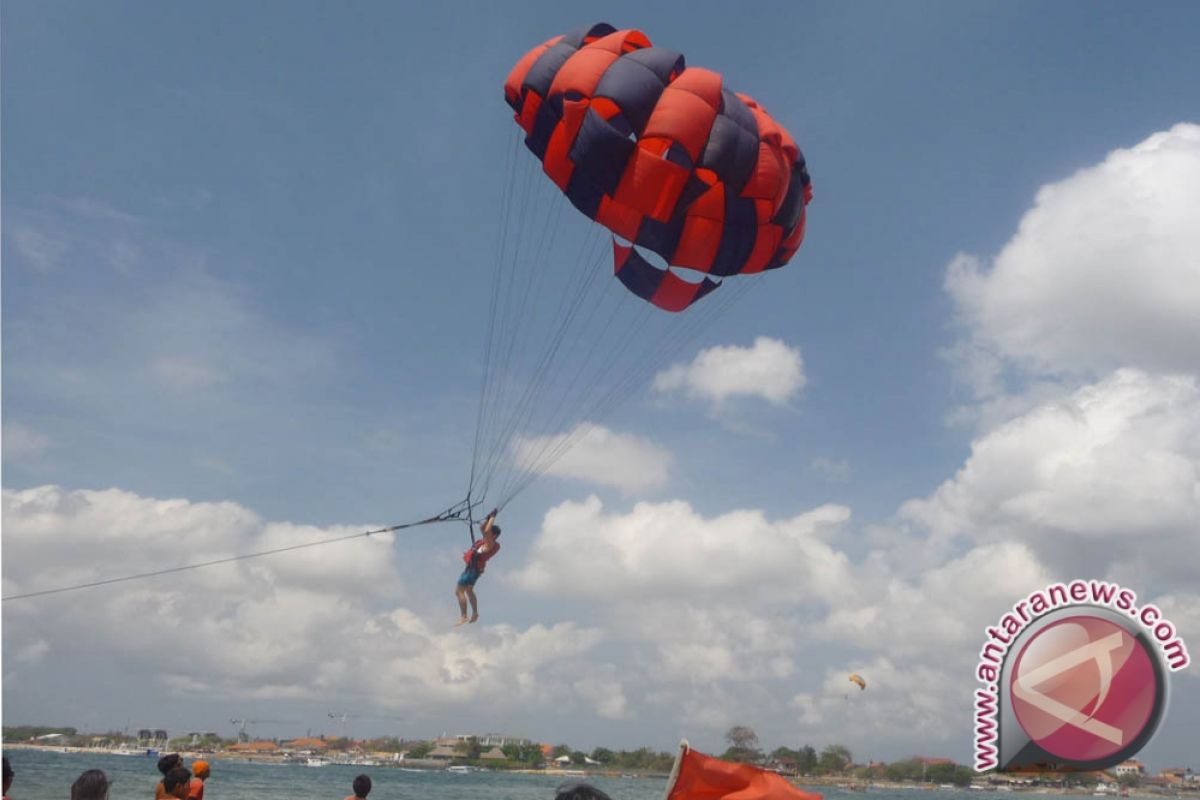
[663, 155]
[855, 678]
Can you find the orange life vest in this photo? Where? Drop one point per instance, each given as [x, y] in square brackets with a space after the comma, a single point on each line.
[473, 557]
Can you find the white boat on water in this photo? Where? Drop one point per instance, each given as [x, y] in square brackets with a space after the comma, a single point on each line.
[458, 769]
[316, 762]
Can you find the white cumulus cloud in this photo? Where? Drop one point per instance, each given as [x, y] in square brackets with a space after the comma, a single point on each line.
[598, 455]
[1102, 272]
[670, 548]
[1106, 472]
[769, 369]
[292, 626]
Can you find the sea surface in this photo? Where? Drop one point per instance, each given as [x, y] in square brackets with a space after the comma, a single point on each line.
[48, 775]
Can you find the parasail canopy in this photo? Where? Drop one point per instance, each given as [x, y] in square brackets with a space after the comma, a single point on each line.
[663, 155]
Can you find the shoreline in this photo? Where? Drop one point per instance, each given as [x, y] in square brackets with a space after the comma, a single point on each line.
[815, 782]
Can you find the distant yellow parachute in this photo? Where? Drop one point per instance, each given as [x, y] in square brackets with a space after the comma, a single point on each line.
[858, 679]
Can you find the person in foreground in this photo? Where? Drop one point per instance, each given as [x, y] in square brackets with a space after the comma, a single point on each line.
[8, 777]
[165, 764]
[176, 783]
[476, 557]
[362, 788]
[90, 785]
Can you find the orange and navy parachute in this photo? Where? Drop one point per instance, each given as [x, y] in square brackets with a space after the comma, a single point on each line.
[664, 156]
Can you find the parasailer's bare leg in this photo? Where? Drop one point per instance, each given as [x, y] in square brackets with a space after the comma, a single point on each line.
[474, 604]
[461, 594]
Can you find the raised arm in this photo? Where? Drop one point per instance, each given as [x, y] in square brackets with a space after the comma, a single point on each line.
[485, 528]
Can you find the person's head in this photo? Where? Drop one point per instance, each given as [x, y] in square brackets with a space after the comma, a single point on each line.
[169, 762]
[177, 781]
[362, 786]
[8, 775]
[90, 785]
[200, 769]
[578, 790]
[496, 531]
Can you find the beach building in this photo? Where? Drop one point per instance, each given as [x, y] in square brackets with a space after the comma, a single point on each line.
[444, 751]
[494, 739]
[306, 745]
[1130, 767]
[495, 754]
[1179, 776]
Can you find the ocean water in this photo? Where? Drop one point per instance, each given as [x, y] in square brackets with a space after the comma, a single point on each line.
[46, 775]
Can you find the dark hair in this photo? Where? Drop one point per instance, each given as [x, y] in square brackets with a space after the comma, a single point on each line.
[175, 777]
[8, 772]
[495, 530]
[169, 762]
[578, 790]
[90, 785]
[362, 786]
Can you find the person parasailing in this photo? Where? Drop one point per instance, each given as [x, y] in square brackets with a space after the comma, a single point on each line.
[476, 558]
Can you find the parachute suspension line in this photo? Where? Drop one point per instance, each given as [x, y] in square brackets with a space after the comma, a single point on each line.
[668, 348]
[606, 403]
[500, 317]
[533, 463]
[514, 328]
[532, 284]
[520, 334]
[505, 277]
[496, 423]
[555, 417]
[502, 239]
[586, 389]
[458, 511]
[567, 311]
[638, 375]
[501, 281]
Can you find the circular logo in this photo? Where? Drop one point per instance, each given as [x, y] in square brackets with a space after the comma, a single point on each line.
[1086, 689]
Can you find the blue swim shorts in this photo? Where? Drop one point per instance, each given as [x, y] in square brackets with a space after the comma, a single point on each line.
[468, 577]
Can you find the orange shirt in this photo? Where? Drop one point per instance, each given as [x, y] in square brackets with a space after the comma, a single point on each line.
[196, 789]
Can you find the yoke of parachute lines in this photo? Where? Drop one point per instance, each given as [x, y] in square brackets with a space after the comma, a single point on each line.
[462, 511]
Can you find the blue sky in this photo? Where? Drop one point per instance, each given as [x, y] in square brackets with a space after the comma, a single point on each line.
[247, 260]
